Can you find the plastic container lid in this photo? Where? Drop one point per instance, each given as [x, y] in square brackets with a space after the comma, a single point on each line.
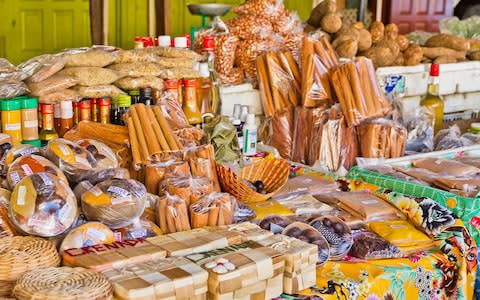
[475, 126]
[10, 104]
[250, 119]
[47, 109]
[28, 102]
[171, 84]
[181, 42]
[134, 92]
[123, 100]
[34, 143]
[204, 72]
[189, 82]
[164, 41]
[209, 43]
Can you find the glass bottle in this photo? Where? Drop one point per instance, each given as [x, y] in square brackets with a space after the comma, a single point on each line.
[56, 117]
[209, 51]
[104, 110]
[432, 100]
[76, 112]
[12, 119]
[146, 96]
[174, 86]
[135, 96]
[66, 117]
[120, 106]
[204, 91]
[29, 118]
[48, 128]
[190, 104]
[94, 103]
[85, 110]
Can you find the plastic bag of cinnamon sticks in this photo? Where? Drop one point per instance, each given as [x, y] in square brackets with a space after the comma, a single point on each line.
[202, 163]
[358, 92]
[277, 131]
[317, 59]
[216, 209]
[172, 111]
[172, 214]
[278, 76]
[382, 139]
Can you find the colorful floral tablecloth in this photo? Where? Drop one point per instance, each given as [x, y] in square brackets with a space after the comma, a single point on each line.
[447, 271]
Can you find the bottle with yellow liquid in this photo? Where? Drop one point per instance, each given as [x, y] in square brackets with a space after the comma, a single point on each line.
[432, 100]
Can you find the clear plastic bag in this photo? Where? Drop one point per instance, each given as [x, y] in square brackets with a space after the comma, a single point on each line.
[235, 77]
[43, 205]
[202, 163]
[179, 73]
[98, 91]
[137, 69]
[91, 58]
[270, 9]
[249, 50]
[216, 209]
[34, 64]
[189, 189]
[420, 131]
[172, 214]
[450, 138]
[133, 83]
[172, 111]
[6, 66]
[225, 47]
[57, 96]
[139, 229]
[175, 52]
[85, 235]
[175, 62]
[223, 136]
[467, 28]
[277, 131]
[10, 90]
[76, 162]
[155, 173]
[104, 156]
[358, 91]
[31, 164]
[116, 203]
[53, 84]
[250, 27]
[135, 56]
[13, 77]
[368, 245]
[50, 67]
[91, 76]
[382, 139]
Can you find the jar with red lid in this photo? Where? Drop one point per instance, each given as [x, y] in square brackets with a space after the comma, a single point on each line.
[85, 110]
[190, 105]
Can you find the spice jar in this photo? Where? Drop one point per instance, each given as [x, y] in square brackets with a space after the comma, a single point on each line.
[104, 110]
[94, 103]
[12, 119]
[48, 128]
[135, 96]
[85, 110]
[56, 116]
[146, 96]
[76, 112]
[190, 104]
[66, 117]
[174, 86]
[120, 106]
[29, 111]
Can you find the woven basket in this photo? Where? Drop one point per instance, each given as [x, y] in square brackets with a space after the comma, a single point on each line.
[273, 174]
[20, 254]
[63, 283]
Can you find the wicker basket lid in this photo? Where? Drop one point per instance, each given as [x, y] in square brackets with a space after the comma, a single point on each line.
[21, 254]
[63, 283]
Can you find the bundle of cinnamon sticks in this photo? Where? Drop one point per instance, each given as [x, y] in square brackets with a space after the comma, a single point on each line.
[358, 91]
[280, 81]
[318, 58]
[172, 214]
[150, 134]
[216, 209]
[382, 139]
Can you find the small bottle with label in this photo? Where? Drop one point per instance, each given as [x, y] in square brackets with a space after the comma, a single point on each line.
[250, 136]
[238, 126]
[48, 128]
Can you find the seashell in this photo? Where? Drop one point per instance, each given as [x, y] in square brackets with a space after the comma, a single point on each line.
[221, 261]
[210, 265]
[220, 269]
[229, 266]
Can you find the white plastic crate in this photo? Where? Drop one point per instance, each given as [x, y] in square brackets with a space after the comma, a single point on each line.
[243, 94]
[456, 78]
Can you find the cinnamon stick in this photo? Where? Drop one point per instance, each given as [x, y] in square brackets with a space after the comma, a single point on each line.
[141, 138]
[157, 130]
[264, 82]
[136, 156]
[152, 141]
[167, 131]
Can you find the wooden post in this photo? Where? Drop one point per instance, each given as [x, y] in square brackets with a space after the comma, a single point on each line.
[105, 22]
[96, 21]
[379, 11]
[162, 13]
[151, 17]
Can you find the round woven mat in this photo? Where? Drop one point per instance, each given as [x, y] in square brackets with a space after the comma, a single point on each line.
[21, 254]
[63, 283]
[6, 288]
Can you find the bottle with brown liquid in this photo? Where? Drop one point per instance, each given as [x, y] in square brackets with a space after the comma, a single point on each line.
[66, 117]
[48, 128]
[190, 104]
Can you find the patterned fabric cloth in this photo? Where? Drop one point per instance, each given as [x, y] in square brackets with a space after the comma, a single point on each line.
[447, 271]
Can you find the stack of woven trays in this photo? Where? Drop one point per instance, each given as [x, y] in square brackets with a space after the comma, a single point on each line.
[19, 255]
[63, 283]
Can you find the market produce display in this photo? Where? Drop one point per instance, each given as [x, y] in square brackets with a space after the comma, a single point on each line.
[120, 179]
